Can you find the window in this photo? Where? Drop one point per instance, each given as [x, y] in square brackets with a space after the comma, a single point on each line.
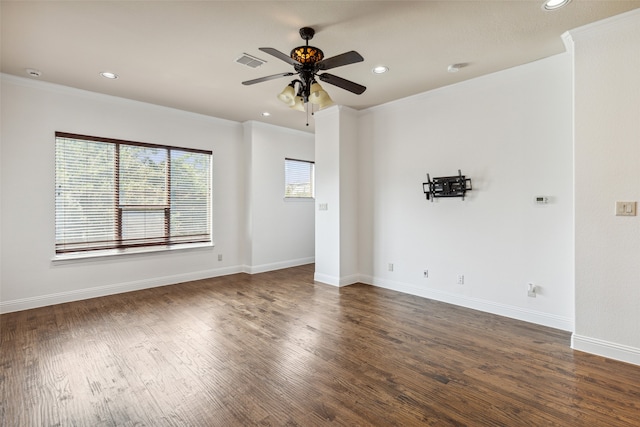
[298, 178]
[113, 194]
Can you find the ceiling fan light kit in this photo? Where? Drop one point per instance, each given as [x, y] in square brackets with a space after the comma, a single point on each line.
[319, 96]
[288, 95]
[298, 104]
[308, 62]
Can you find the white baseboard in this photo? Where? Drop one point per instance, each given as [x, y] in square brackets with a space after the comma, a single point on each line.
[477, 304]
[100, 291]
[277, 265]
[336, 281]
[608, 349]
[326, 279]
[532, 316]
[118, 288]
[349, 280]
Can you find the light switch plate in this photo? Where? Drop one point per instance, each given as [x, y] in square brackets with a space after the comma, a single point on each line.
[626, 208]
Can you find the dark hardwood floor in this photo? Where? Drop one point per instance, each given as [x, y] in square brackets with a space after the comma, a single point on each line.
[277, 349]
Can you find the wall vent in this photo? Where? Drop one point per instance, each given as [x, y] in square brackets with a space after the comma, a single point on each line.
[250, 61]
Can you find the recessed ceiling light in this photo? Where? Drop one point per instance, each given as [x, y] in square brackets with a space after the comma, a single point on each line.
[266, 114]
[109, 75]
[554, 4]
[454, 68]
[381, 69]
[33, 73]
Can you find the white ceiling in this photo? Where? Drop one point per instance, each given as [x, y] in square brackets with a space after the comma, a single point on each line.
[182, 54]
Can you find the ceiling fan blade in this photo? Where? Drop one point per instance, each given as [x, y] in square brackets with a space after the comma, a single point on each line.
[275, 52]
[342, 83]
[346, 58]
[266, 78]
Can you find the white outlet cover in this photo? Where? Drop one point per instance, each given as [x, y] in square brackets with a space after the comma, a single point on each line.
[626, 208]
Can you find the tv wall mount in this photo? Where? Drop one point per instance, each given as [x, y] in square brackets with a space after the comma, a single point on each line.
[446, 186]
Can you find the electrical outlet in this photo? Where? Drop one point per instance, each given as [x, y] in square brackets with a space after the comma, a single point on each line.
[626, 208]
[425, 274]
[531, 290]
[390, 266]
[460, 279]
[219, 257]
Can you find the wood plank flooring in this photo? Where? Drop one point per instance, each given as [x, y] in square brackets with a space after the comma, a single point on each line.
[275, 349]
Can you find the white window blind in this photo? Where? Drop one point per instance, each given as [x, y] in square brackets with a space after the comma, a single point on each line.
[113, 194]
[298, 178]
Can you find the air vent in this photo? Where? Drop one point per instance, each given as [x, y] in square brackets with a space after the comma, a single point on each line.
[250, 61]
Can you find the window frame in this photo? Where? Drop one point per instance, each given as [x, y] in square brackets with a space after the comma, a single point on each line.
[312, 182]
[120, 245]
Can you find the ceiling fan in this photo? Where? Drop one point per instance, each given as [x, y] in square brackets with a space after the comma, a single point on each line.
[308, 62]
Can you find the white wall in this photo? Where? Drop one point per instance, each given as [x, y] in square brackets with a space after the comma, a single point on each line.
[327, 227]
[510, 132]
[607, 161]
[32, 111]
[281, 230]
[349, 209]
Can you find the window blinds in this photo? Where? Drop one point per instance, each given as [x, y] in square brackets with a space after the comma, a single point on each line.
[299, 178]
[113, 194]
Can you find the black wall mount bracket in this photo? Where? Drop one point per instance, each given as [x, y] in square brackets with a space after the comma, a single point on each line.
[446, 186]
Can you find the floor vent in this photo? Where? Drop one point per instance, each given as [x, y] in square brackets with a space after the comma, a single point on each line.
[250, 61]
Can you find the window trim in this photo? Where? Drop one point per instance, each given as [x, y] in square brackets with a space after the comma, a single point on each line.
[124, 141]
[70, 257]
[137, 248]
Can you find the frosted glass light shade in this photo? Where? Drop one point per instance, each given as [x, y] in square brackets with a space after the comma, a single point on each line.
[319, 96]
[288, 96]
[298, 104]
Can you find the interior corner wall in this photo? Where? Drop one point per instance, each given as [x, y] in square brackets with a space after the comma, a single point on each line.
[279, 231]
[31, 113]
[1, 201]
[247, 156]
[607, 161]
[511, 134]
[349, 210]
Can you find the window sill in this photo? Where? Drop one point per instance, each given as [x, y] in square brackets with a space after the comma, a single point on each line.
[108, 253]
[299, 199]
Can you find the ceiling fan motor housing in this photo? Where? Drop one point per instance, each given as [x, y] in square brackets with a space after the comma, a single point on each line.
[307, 54]
[307, 33]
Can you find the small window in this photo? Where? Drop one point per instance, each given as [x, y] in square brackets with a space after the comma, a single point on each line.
[298, 178]
[113, 194]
